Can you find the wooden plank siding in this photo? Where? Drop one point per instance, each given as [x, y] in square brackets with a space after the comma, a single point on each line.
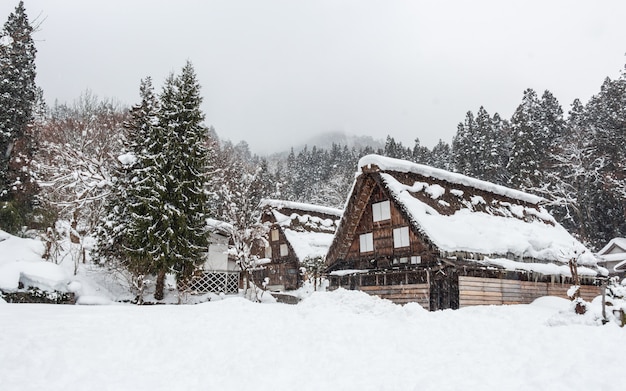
[382, 233]
[401, 294]
[486, 291]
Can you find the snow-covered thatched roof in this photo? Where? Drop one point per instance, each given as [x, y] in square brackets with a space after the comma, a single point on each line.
[300, 206]
[308, 228]
[482, 227]
[397, 165]
[615, 251]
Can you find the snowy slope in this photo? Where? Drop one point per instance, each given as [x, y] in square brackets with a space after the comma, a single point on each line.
[343, 340]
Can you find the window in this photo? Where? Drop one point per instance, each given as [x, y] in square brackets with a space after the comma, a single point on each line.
[268, 252]
[367, 242]
[401, 237]
[274, 235]
[284, 250]
[416, 259]
[381, 211]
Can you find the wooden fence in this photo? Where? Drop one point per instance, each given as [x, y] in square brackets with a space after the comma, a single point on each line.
[214, 281]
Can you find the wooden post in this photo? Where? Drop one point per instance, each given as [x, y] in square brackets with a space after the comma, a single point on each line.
[603, 290]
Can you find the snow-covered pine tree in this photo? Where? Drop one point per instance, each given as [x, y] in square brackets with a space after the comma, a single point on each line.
[441, 156]
[501, 141]
[523, 164]
[146, 193]
[421, 154]
[482, 139]
[552, 124]
[18, 95]
[536, 124]
[606, 120]
[166, 188]
[119, 240]
[183, 229]
[395, 149]
[464, 156]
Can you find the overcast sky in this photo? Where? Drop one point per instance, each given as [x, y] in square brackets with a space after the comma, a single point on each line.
[275, 72]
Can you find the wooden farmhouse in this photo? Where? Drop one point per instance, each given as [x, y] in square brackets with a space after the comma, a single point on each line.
[220, 272]
[613, 256]
[299, 235]
[413, 233]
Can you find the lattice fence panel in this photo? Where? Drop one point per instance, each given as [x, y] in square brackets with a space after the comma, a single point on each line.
[216, 282]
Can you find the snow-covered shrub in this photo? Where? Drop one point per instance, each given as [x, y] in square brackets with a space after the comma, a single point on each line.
[579, 305]
[36, 295]
[616, 301]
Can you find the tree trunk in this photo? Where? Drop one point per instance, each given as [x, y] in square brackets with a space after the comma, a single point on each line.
[160, 285]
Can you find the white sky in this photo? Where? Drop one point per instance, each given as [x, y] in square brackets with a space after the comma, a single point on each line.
[275, 72]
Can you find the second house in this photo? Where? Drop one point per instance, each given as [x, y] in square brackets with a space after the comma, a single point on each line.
[297, 241]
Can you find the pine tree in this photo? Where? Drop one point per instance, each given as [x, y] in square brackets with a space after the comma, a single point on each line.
[18, 95]
[421, 154]
[491, 147]
[183, 231]
[523, 165]
[442, 156]
[166, 190]
[551, 122]
[132, 193]
[606, 120]
[396, 149]
[464, 153]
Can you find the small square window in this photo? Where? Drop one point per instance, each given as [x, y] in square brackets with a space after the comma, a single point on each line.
[416, 260]
[366, 242]
[284, 250]
[401, 237]
[381, 211]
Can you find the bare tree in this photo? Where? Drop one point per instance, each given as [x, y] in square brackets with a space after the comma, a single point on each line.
[77, 161]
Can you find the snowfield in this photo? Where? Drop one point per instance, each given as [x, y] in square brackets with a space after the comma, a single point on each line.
[342, 340]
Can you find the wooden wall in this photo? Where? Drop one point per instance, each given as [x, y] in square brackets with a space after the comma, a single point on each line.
[486, 291]
[401, 294]
[472, 291]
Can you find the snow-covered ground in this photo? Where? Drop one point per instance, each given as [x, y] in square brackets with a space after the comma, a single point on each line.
[342, 340]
